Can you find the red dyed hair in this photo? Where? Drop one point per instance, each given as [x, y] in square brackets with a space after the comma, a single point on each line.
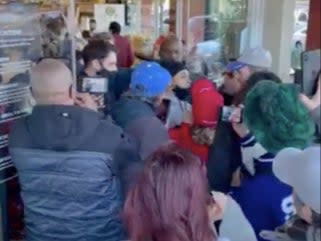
[169, 200]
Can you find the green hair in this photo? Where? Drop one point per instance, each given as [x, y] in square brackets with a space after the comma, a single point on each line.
[276, 116]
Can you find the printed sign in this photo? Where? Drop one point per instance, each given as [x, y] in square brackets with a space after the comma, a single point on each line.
[107, 13]
[20, 48]
[26, 36]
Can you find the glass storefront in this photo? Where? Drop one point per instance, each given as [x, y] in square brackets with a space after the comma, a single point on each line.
[217, 36]
[231, 18]
[149, 19]
[153, 17]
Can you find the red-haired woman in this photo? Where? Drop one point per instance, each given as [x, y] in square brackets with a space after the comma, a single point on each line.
[170, 202]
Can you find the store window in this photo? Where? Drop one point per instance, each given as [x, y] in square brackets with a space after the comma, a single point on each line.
[218, 36]
[151, 20]
[231, 17]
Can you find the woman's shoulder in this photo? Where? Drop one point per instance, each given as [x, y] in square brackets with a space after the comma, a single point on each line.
[223, 239]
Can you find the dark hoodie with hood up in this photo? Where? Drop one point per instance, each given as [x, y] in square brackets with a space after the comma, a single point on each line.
[64, 157]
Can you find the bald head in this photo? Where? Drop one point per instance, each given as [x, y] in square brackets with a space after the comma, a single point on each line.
[171, 49]
[51, 82]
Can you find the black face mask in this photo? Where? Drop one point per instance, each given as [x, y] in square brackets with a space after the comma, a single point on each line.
[108, 74]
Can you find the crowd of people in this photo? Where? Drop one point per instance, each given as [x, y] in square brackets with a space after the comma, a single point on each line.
[163, 154]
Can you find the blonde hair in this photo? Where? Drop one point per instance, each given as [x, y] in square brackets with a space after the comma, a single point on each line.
[203, 135]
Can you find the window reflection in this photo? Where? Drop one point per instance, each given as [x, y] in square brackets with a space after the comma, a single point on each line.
[216, 38]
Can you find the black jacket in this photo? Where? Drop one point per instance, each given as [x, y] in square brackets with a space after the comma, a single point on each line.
[224, 158]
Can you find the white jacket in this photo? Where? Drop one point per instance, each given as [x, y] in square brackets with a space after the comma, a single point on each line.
[234, 224]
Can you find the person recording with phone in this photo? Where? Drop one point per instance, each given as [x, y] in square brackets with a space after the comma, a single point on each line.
[232, 135]
[100, 59]
[236, 75]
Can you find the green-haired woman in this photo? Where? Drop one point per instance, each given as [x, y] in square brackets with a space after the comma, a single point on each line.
[276, 118]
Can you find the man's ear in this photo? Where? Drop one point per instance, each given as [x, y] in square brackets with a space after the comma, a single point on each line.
[96, 64]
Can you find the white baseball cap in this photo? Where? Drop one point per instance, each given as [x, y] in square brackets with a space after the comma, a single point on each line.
[258, 57]
[301, 170]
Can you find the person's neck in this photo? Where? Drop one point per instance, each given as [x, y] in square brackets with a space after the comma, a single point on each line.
[57, 102]
[91, 72]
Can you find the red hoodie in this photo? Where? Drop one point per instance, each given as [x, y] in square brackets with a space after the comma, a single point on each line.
[206, 103]
[125, 56]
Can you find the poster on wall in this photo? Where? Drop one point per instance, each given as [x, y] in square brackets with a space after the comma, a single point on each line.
[107, 13]
[27, 35]
[56, 39]
[20, 48]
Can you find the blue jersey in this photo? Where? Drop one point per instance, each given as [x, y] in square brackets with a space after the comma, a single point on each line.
[266, 202]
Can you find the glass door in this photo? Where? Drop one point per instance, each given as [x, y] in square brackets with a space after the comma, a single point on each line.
[232, 16]
[150, 19]
[217, 37]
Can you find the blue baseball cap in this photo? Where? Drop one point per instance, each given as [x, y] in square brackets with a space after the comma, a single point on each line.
[149, 79]
[234, 66]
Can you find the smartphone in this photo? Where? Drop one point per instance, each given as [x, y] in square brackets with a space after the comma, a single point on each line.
[310, 71]
[226, 112]
[94, 85]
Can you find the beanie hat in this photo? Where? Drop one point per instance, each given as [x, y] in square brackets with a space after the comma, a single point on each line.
[149, 80]
[258, 57]
[173, 67]
[206, 103]
[276, 116]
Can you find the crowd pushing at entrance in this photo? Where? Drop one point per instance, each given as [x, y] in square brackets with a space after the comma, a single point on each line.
[157, 152]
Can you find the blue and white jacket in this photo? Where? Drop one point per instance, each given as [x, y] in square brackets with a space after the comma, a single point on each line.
[266, 202]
